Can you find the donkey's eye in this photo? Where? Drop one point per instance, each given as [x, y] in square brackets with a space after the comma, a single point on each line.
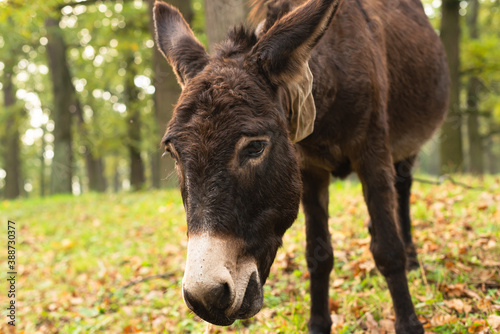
[172, 155]
[255, 148]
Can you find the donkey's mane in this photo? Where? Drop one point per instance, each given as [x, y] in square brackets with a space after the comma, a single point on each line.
[240, 40]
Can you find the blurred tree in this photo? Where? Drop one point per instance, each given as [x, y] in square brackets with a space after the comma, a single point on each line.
[64, 97]
[473, 91]
[131, 93]
[220, 15]
[12, 160]
[97, 36]
[94, 165]
[451, 150]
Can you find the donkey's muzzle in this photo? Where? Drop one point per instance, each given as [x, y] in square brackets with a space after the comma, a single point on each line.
[221, 283]
[214, 314]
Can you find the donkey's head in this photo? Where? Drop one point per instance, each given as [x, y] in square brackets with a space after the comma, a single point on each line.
[230, 138]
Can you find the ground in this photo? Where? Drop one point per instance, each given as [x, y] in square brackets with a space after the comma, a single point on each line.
[102, 263]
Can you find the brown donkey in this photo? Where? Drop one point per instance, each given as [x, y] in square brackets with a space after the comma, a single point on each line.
[318, 89]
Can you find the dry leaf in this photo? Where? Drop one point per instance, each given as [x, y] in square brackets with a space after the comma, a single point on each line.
[338, 282]
[484, 305]
[337, 321]
[482, 206]
[67, 244]
[334, 305]
[453, 290]
[131, 329]
[478, 326]
[458, 305]
[494, 322]
[490, 263]
[387, 326]
[441, 319]
[370, 324]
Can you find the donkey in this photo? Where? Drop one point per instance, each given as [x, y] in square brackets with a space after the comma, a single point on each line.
[320, 88]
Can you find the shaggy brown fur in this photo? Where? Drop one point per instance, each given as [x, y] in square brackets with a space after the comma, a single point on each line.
[380, 89]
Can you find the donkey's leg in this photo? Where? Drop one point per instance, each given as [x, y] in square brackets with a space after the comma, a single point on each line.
[376, 171]
[319, 252]
[403, 183]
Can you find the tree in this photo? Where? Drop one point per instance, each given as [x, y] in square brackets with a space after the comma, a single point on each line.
[12, 147]
[137, 178]
[476, 165]
[220, 15]
[451, 150]
[94, 166]
[63, 95]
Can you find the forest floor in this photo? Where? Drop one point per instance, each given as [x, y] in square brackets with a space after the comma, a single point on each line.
[113, 263]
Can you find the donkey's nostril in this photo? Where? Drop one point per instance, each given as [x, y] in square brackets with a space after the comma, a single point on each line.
[216, 297]
[221, 296]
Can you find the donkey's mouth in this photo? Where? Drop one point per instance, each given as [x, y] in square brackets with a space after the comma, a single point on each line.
[213, 315]
[221, 282]
[253, 299]
[244, 307]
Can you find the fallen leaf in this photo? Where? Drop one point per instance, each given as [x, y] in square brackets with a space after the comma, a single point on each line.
[494, 322]
[337, 321]
[452, 290]
[484, 305]
[477, 326]
[387, 326]
[458, 305]
[482, 206]
[338, 282]
[334, 305]
[491, 263]
[67, 244]
[442, 319]
[131, 329]
[370, 324]
[413, 198]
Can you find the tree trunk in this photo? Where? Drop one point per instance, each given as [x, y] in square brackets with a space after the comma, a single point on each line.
[117, 185]
[220, 15]
[12, 161]
[63, 92]
[133, 127]
[42, 163]
[451, 135]
[167, 92]
[93, 165]
[493, 157]
[476, 156]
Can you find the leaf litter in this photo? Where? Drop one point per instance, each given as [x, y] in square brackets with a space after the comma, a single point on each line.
[79, 277]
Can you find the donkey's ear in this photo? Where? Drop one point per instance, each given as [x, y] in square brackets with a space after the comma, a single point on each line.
[177, 43]
[283, 51]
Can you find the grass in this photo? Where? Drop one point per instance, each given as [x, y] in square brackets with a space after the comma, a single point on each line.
[89, 264]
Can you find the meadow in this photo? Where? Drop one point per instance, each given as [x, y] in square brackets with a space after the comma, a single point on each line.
[113, 263]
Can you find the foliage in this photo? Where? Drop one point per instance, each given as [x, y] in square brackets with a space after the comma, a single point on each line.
[80, 258]
[99, 35]
[480, 58]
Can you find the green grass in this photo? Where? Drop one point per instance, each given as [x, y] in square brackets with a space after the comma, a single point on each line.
[76, 258]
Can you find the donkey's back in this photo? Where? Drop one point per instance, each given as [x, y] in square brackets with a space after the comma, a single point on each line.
[379, 57]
